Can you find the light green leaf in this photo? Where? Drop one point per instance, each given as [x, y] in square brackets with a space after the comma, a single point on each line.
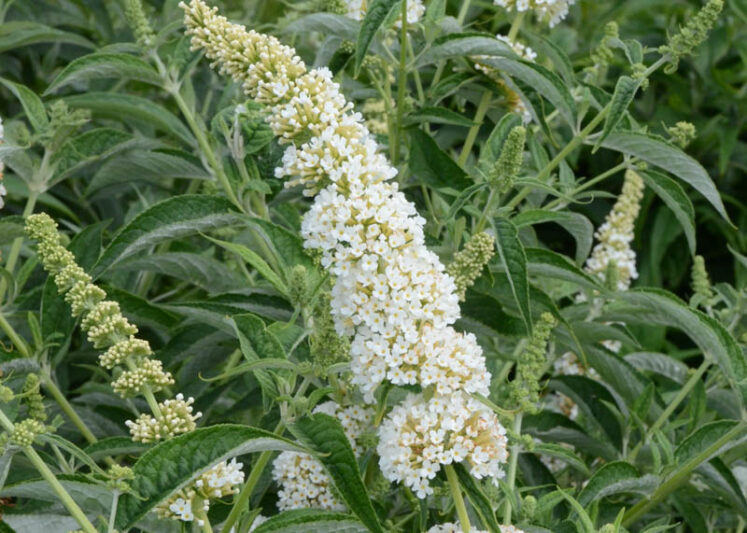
[155, 167]
[327, 24]
[172, 464]
[464, 44]
[676, 199]
[576, 224]
[205, 272]
[93, 498]
[654, 306]
[514, 260]
[46, 522]
[174, 217]
[104, 65]
[311, 521]
[549, 264]
[112, 446]
[32, 104]
[257, 342]
[658, 152]
[256, 262]
[324, 434]
[703, 437]
[127, 106]
[615, 478]
[91, 146]
[480, 502]
[377, 13]
[659, 363]
[622, 97]
[23, 33]
[438, 115]
[564, 454]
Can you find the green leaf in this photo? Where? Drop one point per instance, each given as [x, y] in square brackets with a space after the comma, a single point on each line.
[32, 104]
[438, 115]
[549, 264]
[324, 434]
[491, 150]
[659, 363]
[112, 446]
[311, 521]
[172, 464]
[174, 217]
[720, 478]
[126, 106]
[92, 497]
[554, 427]
[23, 33]
[615, 478]
[564, 454]
[514, 260]
[257, 342]
[377, 13]
[256, 261]
[46, 522]
[327, 24]
[153, 167]
[432, 165]
[543, 81]
[205, 272]
[104, 65]
[622, 97]
[576, 224]
[89, 147]
[659, 153]
[655, 306]
[480, 502]
[676, 199]
[703, 437]
[464, 44]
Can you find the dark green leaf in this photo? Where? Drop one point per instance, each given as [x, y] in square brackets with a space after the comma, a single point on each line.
[514, 260]
[376, 14]
[32, 104]
[622, 97]
[311, 521]
[432, 165]
[676, 199]
[480, 502]
[23, 33]
[615, 478]
[576, 224]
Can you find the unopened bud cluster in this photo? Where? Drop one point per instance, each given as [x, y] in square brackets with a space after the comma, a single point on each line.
[33, 399]
[25, 432]
[138, 23]
[692, 34]
[525, 387]
[176, 418]
[701, 284]
[469, 262]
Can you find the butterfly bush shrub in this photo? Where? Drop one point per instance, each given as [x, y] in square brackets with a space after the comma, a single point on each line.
[373, 266]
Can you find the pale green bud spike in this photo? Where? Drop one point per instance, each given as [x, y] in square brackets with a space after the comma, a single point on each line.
[138, 23]
[508, 166]
[33, 398]
[326, 346]
[26, 431]
[701, 284]
[525, 387]
[692, 34]
[682, 133]
[469, 262]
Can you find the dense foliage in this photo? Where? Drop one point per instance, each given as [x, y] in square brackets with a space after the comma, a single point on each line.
[348, 266]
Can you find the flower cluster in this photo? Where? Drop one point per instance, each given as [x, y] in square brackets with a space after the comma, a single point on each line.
[613, 254]
[456, 528]
[357, 9]
[220, 481]
[551, 11]
[302, 479]
[176, 418]
[390, 293]
[421, 435]
[469, 262]
[3, 191]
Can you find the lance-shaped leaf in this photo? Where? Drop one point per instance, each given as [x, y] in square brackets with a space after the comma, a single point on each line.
[615, 478]
[514, 260]
[622, 97]
[105, 65]
[676, 199]
[299, 520]
[376, 14]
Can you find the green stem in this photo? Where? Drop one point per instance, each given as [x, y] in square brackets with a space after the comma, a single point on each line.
[50, 478]
[588, 184]
[14, 337]
[513, 461]
[201, 516]
[241, 501]
[147, 393]
[515, 25]
[493, 199]
[64, 404]
[482, 108]
[15, 248]
[463, 12]
[676, 401]
[680, 476]
[113, 512]
[456, 493]
[202, 140]
[401, 83]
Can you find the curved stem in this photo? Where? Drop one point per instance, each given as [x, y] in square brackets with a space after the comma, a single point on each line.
[456, 493]
[482, 108]
[67, 408]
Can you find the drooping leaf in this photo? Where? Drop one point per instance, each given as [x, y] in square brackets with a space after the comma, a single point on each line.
[31, 103]
[172, 464]
[174, 217]
[89, 147]
[311, 520]
[23, 33]
[514, 260]
[464, 44]
[615, 478]
[432, 165]
[576, 224]
[676, 199]
[658, 152]
[119, 106]
[104, 65]
[377, 12]
[324, 434]
[549, 264]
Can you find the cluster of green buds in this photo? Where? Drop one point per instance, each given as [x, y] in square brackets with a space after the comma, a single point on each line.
[682, 134]
[138, 23]
[692, 34]
[326, 346]
[508, 165]
[24, 433]
[119, 478]
[532, 363]
[603, 53]
[469, 262]
[32, 398]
